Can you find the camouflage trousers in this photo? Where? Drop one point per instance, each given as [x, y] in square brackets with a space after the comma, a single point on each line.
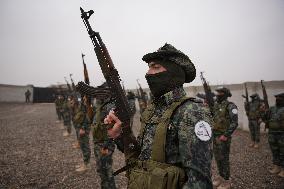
[221, 152]
[67, 121]
[59, 114]
[276, 142]
[254, 129]
[104, 164]
[77, 130]
[84, 141]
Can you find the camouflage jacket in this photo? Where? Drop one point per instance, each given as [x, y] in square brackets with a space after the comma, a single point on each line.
[253, 109]
[101, 111]
[80, 118]
[66, 111]
[58, 103]
[184, 147]
[225, 118]
[275, 118]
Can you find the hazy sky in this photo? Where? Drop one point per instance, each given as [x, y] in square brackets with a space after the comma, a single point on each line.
[231, 40]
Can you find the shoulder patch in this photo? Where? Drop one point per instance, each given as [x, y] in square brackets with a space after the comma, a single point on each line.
[234, 111]
[203, 130]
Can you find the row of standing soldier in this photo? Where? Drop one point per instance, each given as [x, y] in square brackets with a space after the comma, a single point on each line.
[258, 112]
[173, 148]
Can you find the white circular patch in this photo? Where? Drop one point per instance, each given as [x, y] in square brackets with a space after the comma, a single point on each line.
[234, 111]
[203, 130]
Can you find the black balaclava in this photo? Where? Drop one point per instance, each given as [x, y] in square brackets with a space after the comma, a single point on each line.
[163, 82]
[279, 102]
[221, 97]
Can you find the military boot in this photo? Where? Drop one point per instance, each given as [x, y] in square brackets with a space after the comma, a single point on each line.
[256, 145]
[76, 145]
[275, 170]
[83, 167]
[217, 181]
[225, 185]
[281, 174]
[66, 134]
[251, 145]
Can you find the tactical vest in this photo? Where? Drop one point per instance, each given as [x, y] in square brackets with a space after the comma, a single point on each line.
[221, 116]
[100, 130]
[79, 117]
[254, 110]
[276, 121]
[155, 173]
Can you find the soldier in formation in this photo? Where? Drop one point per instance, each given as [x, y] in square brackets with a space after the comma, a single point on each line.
[274, 118]
[58, 106]
[253, 111]
[174, 144]
[66, 115]
[103, 146]
[225, 123]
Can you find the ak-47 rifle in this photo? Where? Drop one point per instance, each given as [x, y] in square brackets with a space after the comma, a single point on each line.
[266, 104]
[86, 75]
[247, 99]
[68, 85]
[113, 80]
[208, 94]
[90, 110]
[142, 94]
[265, 98]
[72, 82]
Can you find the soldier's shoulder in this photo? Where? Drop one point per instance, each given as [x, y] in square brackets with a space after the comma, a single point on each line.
[194, 108]
[232, 105]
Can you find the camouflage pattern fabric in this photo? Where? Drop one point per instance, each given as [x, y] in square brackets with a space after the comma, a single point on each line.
[183, 146]
[66, 116]
[58, 106]
[221, 154]
[103, 150]
[228, 112]
[276, 142]
[82, 122]
[254, 129]
[84, 142]
[275, 116]
[104, 164]
[254, 114]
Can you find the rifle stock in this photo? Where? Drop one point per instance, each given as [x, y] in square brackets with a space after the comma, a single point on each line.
[113, 80]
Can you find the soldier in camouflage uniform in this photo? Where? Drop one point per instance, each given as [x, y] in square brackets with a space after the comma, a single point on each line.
[82, 123]
[76, 115]
[66, 117]
[103, 146]
[275, 119]
[131, 101]
[254, 115]
[225, 123]
[183, 123]
[58, 104]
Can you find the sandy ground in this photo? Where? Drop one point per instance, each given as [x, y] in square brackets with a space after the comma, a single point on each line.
[34, 154]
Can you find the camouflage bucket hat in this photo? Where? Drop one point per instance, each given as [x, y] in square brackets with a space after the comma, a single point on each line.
[169, 52]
